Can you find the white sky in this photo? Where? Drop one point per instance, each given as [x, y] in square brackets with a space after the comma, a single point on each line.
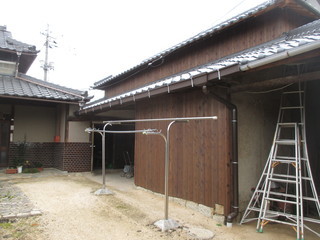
[99, 38]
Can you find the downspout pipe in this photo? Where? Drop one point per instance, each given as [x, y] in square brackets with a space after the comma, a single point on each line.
[234, 157]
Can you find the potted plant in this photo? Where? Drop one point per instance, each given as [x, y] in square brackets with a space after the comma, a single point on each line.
[38, 165]
[20, 157]
[11, 170]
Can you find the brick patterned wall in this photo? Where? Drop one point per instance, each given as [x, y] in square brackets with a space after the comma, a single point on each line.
[77, 157]
[71, 157]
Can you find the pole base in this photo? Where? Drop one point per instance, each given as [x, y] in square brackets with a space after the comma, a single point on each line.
[166, 224]
[103, 191]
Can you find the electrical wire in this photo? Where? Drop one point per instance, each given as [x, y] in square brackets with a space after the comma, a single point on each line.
[272, 90]
[226, 14]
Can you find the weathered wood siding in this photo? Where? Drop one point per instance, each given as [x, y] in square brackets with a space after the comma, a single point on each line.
[199, 150]
[249, 34]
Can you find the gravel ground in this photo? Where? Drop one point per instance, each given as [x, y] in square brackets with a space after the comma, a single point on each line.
[70, 211]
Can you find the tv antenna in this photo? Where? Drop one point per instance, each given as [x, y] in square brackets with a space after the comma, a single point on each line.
[49, 43]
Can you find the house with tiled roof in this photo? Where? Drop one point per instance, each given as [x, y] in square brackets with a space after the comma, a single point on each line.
[38, 113]
[237, 71]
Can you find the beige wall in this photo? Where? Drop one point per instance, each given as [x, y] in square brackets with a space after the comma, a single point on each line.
[257, 116]
[73, 108]
[34, 123]
[77, 133]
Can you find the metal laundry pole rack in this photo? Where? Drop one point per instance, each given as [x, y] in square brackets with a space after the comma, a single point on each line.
[104, 190]
[166, 223]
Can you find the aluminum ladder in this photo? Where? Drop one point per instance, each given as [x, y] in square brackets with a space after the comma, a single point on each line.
[286, 190]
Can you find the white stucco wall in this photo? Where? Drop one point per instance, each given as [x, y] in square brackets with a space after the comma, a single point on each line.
[257, 116]
[77, 133]
[34, 123]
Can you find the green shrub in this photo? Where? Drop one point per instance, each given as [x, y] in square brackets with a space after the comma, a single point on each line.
[30, 170]
[37, 164]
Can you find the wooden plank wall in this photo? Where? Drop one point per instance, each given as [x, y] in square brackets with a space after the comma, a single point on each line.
[246, 35]
[199, 150]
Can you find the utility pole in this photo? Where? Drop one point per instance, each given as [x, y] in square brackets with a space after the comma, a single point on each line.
[48, 44]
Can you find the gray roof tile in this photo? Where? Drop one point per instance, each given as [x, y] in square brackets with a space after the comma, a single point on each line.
[297, 38]
[29, 87]
[7, 42]
[201, 35]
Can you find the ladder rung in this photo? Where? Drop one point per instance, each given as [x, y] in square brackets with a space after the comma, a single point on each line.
[310, 199]
[292, 196]
[278, 221]
[295, 107]
[288, 215]
[286, 142]
[280, 200]
[281, 180]
[283, 160]
[289, 158]
[284, 176]
[287, 124]
[287, 176]
[254, 209]
[293, 92]
[282, 194]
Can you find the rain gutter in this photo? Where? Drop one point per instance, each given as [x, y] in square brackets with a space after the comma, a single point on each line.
[282, 55]
[309, 7]
[39, 99]
[234, 156]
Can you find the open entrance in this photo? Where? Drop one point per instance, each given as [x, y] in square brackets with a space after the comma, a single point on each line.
[313, 129]
[119, 148]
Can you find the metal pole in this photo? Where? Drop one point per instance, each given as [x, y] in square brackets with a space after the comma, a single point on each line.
[104, 155]
[161, 119]
[166, 171]
[45, 66]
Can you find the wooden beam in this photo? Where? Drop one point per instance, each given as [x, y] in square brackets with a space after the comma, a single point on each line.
[276, 82]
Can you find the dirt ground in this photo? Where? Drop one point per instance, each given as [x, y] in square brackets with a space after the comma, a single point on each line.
[72, 212]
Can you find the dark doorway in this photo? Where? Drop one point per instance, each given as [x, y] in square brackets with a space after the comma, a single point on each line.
[4, 142]
[116, 147]
[313, 129]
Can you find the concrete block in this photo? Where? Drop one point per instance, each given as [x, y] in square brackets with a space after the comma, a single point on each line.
[180, 201]
[158, 194]
[166, 225]
[7, 216]
[207, 211]
[219, 209]
[35, 212]
[192, 205]
[20, 215]
[200, 233]
[218, 218]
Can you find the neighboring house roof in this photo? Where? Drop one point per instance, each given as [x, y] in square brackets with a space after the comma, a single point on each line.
[203, 35]
[297, 41]
[8, 43]
[26, 87]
